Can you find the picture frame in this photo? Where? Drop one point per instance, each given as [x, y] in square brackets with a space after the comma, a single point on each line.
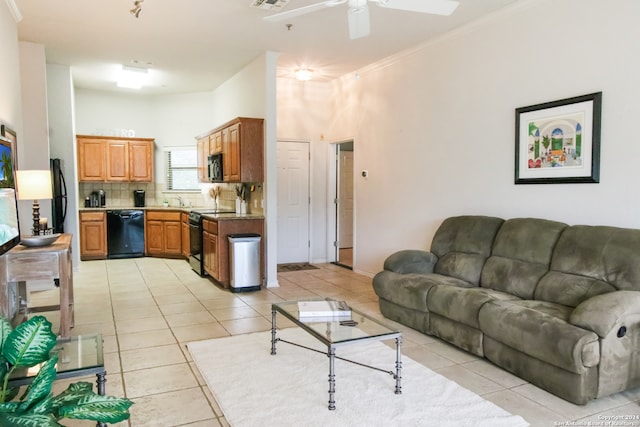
[9, 223]
[558, 142]
[10, 135]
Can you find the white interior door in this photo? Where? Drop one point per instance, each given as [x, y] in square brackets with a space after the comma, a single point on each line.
[293, 202]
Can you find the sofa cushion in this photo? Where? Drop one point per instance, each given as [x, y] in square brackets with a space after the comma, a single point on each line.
[589, 261]
[410, 290]
[540, 329]
[462, 304]
[463, 244]
[521, 255]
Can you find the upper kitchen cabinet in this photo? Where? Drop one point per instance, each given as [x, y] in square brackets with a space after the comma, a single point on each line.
[141, 160]
[92, 154]
[106, 158]
[241, 142]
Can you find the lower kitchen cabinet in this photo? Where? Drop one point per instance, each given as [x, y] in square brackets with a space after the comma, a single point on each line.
[215, 242]
[93, 235]
[186, 240]
[163, 233]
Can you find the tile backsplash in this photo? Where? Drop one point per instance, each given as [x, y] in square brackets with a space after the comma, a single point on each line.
[120, 195]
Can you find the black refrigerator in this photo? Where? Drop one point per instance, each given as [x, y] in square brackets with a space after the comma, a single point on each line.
[59, 201]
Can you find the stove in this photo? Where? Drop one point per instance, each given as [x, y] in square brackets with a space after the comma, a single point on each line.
[195, 237]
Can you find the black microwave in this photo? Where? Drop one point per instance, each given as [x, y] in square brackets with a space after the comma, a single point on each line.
[214, 167]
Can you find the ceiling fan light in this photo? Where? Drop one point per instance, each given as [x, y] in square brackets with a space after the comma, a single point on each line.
[304, 74]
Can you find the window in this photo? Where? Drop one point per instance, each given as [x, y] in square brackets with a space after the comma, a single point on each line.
[182, 168]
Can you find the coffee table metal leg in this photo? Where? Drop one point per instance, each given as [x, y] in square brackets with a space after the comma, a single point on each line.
[273, 331]
[398, 365]
[332, 378]
[101, 380]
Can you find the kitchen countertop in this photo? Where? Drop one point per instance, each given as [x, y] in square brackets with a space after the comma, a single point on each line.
[220, 216]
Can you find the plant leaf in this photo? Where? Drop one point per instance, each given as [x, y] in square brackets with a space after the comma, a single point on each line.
[9, 407]
[27, 420]
[29, 343]
[72, 394]
[40, 387]
[5, 330]
[43, 407]
[94, 407]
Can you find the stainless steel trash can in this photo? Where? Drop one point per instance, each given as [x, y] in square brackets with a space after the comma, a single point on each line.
[244, 262]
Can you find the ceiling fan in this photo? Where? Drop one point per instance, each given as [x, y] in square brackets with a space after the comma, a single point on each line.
[358, 13]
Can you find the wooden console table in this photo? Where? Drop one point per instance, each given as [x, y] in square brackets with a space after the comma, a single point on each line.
[51, 262]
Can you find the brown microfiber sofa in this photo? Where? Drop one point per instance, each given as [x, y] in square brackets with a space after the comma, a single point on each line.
[557, 305]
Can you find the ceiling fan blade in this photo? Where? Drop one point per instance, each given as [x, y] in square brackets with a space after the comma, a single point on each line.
[302, 10]
[359, 23]
[436, 7]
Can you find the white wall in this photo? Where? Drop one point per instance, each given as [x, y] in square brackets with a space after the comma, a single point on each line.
[10, 98]
[60, 100]
[34, 140]
[173, 120]
[435, 129]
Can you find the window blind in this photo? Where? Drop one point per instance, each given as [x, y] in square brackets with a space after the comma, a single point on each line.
[182, 169]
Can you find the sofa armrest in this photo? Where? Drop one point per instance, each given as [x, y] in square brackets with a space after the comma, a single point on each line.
[411, 261]
[602, 313]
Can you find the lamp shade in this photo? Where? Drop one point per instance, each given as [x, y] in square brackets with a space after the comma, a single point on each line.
[34, 184]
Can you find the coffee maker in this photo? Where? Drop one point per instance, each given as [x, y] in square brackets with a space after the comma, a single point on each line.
[138, 198]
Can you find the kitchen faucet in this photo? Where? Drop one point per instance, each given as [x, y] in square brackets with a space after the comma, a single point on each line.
[180, 201]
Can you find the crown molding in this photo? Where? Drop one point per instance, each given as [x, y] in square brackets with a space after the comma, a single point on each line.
[15, 12]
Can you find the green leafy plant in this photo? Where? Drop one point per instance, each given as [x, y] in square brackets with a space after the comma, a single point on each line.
[28, 345]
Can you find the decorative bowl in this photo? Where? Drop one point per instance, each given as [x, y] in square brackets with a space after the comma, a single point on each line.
[41, 240]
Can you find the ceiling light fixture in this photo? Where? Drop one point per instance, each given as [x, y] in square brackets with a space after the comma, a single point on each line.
[137, 8]
[304, 74]
[132, 77]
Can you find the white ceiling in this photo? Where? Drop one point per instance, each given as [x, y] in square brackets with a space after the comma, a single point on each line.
[195, 45]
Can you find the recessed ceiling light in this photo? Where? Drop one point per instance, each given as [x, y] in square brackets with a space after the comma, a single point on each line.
[132, 77]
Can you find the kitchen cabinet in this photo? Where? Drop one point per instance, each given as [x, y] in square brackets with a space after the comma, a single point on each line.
[93, 235]
[184, 219]
[241, 142]
[141, 161]
[215, 143]
[203, 153]
[92, 156]
[163, 233]
[210, 248]
[215, 237]
[115, 159]
[231, 153]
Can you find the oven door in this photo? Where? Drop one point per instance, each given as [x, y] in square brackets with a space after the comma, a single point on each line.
[195, 247]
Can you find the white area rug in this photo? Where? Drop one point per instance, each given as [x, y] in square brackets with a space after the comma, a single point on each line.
[290, 389]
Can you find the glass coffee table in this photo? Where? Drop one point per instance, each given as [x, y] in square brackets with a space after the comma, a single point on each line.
[330, 332]
[77, 357]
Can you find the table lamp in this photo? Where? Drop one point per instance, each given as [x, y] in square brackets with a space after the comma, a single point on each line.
[34, 185]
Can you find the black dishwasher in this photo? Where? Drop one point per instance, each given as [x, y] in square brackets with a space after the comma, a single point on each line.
[125, 233]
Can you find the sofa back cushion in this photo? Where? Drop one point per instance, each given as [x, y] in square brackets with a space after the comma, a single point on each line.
[591, 260]
[463, 244]
[521, 255]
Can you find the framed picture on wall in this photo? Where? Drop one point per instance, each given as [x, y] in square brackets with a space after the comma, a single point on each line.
[559, 141]
[10, 136]
[9, 226]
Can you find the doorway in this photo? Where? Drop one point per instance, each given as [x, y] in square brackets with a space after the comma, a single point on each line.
[344, 240]
[293, 202]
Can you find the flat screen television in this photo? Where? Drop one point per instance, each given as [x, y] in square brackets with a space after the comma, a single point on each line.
[9, 226]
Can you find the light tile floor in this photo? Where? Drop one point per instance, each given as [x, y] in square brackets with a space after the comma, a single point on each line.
[148, 309]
